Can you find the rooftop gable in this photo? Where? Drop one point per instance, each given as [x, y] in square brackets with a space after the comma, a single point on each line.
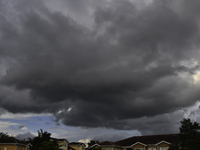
[98, 145]
[162, 142]
[149, 139]
[138, 143]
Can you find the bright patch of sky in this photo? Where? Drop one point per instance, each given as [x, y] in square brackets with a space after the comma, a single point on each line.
[15, 124]
[193, 111]
[197, 77]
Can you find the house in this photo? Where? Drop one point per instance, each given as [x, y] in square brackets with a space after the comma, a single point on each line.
[149, 142]
[12, 143]
[62, 143]
[107, 145]
[77, 145]
[70, 148]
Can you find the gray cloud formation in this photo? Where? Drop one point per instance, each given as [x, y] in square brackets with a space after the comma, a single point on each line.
[21, 126]
[136, 61]
[25, 136]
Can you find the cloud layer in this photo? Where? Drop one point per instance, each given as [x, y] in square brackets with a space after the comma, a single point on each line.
[100, 64]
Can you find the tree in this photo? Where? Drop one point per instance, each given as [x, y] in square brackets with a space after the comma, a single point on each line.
[43, 142]
[174, 146]
[48, 146]
[189, 135]
[91, 143]
[4, 135]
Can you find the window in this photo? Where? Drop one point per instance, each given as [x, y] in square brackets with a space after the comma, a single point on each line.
[138, 148]
[83, 148]
[64, 144]
[152, 148]
[164, 148]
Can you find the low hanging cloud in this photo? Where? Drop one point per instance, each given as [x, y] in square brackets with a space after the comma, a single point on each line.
[134, 60]
[25, 136]
[21, 127]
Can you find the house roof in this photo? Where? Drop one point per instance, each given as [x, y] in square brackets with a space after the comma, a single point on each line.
[76, 143]
[12, 140]
[107, 143]
[95, 145]
[71, 148]
[149, 139]
[58, 139]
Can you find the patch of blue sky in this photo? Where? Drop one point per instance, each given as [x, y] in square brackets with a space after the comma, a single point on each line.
[33, 122]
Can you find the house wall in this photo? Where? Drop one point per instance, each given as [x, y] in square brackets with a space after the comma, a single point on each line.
[138, 146]
[74, 146]
[151, 148]
[77, 147]
[107, 148]
[21, 148]
[111, 148]
[61, 145]
[12, 147]
[163, 145]
[117, 148]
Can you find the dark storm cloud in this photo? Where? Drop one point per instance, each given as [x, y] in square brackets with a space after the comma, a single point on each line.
[134, 62]
[21, 126]
[58, 124]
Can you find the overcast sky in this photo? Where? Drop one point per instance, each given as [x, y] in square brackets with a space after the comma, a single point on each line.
[98, 69]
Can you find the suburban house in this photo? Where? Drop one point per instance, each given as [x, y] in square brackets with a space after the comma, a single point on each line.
[77, 145]
[106, 145]
[13, 144]
[70, 148]
[149, 142]
[62, 143]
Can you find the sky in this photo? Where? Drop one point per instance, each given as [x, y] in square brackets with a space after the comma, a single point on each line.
[98, 69]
